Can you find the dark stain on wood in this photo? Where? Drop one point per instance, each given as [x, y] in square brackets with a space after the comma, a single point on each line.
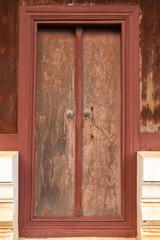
[101, 186]
[156, 114]
[146, 114]
[54, 132]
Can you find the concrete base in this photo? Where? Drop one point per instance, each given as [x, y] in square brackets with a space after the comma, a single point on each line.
[9, 195]
[148, 195]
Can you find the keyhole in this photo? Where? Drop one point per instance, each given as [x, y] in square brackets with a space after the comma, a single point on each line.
[92, 109]
[92, 137]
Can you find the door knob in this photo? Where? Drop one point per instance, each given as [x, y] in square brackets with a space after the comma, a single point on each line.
[69, 114]
[86, 113]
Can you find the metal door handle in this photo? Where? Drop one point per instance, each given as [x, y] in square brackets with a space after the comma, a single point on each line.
[86, 113]
[69, 114]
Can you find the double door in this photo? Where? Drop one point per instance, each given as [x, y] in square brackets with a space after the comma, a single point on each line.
[77, 138]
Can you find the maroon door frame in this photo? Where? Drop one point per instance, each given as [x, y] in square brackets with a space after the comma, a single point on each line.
[128, 19]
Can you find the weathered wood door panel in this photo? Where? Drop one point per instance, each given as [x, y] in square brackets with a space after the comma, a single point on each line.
[54, 133]
[101, 181]
[100, 161]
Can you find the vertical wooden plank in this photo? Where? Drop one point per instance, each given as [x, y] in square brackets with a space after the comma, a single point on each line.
[8, 66]
[78, 154]
[123, 119]
[101, 176]
[54, 131]
[149, 66]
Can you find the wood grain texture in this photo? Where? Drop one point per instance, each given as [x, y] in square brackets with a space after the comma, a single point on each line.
[78, 148]
[150, 67]
[149, 58]
[55, 133]
[78, 2]
[149, 54]
[101, 185]
[8, 66]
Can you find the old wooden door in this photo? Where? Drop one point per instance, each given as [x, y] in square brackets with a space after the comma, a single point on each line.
[77, 154]
[78, 121]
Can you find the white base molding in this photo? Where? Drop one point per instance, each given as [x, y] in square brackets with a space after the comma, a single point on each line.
[8, 195]
[6, 234]
[148, 195]
[151, 233]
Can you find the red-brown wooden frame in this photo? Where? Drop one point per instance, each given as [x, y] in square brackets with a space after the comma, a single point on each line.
[127, 18]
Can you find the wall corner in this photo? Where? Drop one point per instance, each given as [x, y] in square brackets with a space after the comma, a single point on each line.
[9, 195]
[148, 195]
